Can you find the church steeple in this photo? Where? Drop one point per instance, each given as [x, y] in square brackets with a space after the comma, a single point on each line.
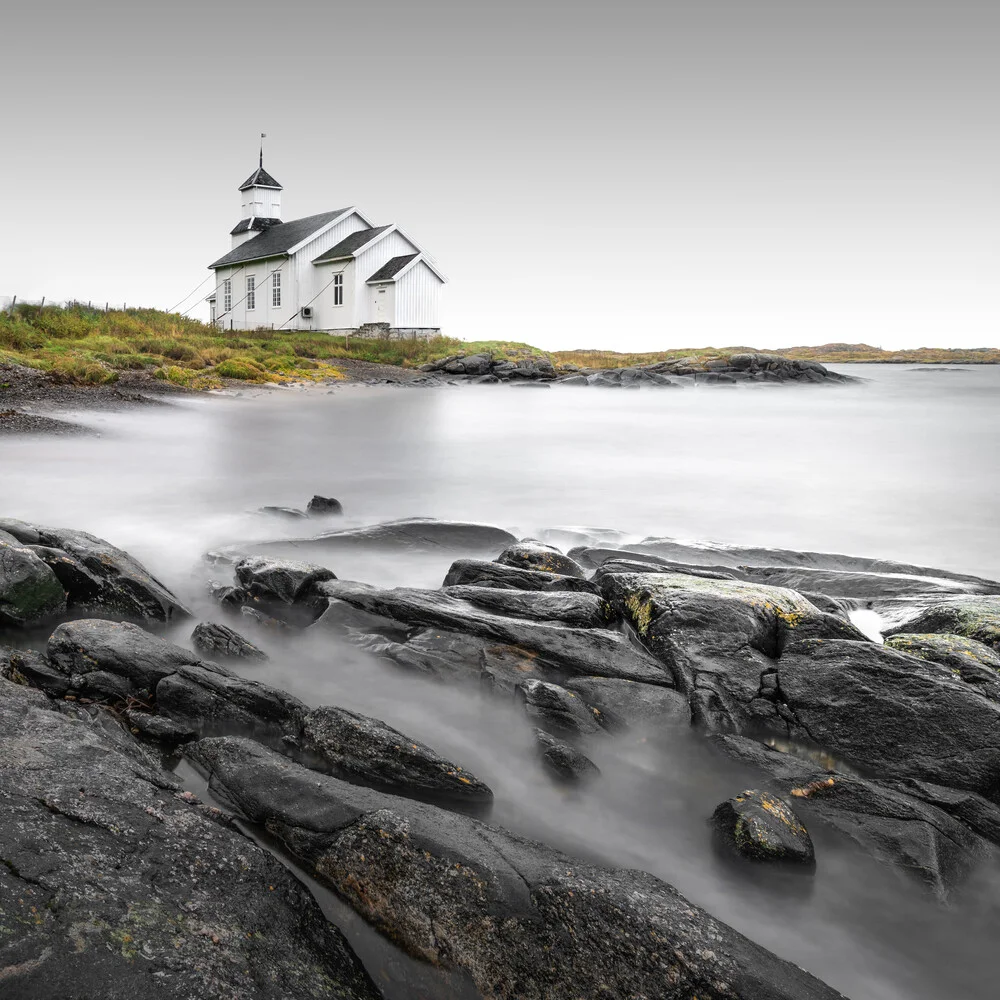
[261, 204]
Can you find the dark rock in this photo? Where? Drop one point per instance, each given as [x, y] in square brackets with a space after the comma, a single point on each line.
[557, 710]
[29, 590]
[592, 652]
[760, 826]
[324, 507]
[484, 573]
[28, 666]
[121, 885]
[575, 380]
[974, 661]
[283, 588]
[220, 640]
[905, 825]
[565, 763]
[486, 380]
[971, 617]
[156, 727]
[362, 749]
[269, 622]
[892, 713]
[522, 920]
[579, 610]
[621, 704]
[529, 554]
[95, 574]
[719, 637]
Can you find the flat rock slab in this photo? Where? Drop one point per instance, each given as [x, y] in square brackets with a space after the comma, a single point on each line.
[971, 617]
[116, 883]
[485, 573]
[525, 922]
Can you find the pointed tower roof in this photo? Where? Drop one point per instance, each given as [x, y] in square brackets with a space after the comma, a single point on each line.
[260, 178]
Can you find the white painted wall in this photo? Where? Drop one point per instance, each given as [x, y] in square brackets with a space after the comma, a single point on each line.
[264, 203]
[380, 305]
[264, 314]
[418, 298]
[391, 245]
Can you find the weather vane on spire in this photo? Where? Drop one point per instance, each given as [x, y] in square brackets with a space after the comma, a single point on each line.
[263, 136]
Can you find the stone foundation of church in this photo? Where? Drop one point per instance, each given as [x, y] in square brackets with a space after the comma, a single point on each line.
[374, 331]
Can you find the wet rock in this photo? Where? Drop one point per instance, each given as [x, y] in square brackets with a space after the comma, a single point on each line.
[220, 640]
[719, 637]
[119, 661]
[742, 557]
[96, 575]
[118, 884]
[891, 713]
[29, 590]
[592, 652]
[283, 588]
[529, 554]
[28, 666]
[483, 573]
[564, 762]
[155, 727]
[622, 704]
[575, 380]
[917, 828]
[970, 617]
[760, 826]
[362, 749]
[579, 610]
[324, 507]
[974, 661]
[268, 622]
[414, 534]
[522, 920]
[557, 710]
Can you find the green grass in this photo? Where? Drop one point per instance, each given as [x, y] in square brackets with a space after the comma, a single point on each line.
[90, 347]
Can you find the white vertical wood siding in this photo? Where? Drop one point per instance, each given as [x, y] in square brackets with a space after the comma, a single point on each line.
[391, 245]
[310, 278]
[418, 298]
[262, 202]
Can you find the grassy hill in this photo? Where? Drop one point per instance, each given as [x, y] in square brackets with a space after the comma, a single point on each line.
[89, 346]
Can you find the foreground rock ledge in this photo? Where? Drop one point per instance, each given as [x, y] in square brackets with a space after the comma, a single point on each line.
[523, 920]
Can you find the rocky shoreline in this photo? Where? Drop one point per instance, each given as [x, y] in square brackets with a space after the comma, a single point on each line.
[116, 880]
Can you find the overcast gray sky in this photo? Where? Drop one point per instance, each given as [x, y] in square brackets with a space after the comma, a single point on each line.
[628, 175]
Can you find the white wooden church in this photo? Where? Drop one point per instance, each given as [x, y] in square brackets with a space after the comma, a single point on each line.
[335, 272]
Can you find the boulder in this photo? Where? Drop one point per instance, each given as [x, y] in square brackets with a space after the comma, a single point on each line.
[591, 651]
[931, 834]
[220, 640]
[484, 573]
[529, 554]
[759, 826]
[970, 617]
[95, 575]
[718, 638]
[364, 750]
[564, 762]
[283, 588]
[120, 884]
[520, 919]
[29, 590]
[577, 609]
[622, 704]
[324, 507]
[974, 661]
[557, 710]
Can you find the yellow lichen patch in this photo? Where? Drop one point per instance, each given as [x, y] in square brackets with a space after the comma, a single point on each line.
[808, 791]
[641, 612]
[781, 812]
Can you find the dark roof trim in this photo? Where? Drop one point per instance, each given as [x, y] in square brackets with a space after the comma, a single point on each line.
[350, 244]
[389, 270]
[260, 178]
[278, 240]
[253, 224]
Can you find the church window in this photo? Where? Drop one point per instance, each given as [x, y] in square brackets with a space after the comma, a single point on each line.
[227, 295]
[276, 288]
[251, 291]
[338, 289]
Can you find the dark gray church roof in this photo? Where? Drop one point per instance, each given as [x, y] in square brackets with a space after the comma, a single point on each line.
[392, 267]
[278, 239]
[347, 246]
[255, 225]
[260, 178]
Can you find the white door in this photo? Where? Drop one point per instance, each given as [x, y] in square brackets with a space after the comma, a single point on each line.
[380, 309]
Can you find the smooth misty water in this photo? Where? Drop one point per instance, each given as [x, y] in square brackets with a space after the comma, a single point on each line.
[901, 467]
